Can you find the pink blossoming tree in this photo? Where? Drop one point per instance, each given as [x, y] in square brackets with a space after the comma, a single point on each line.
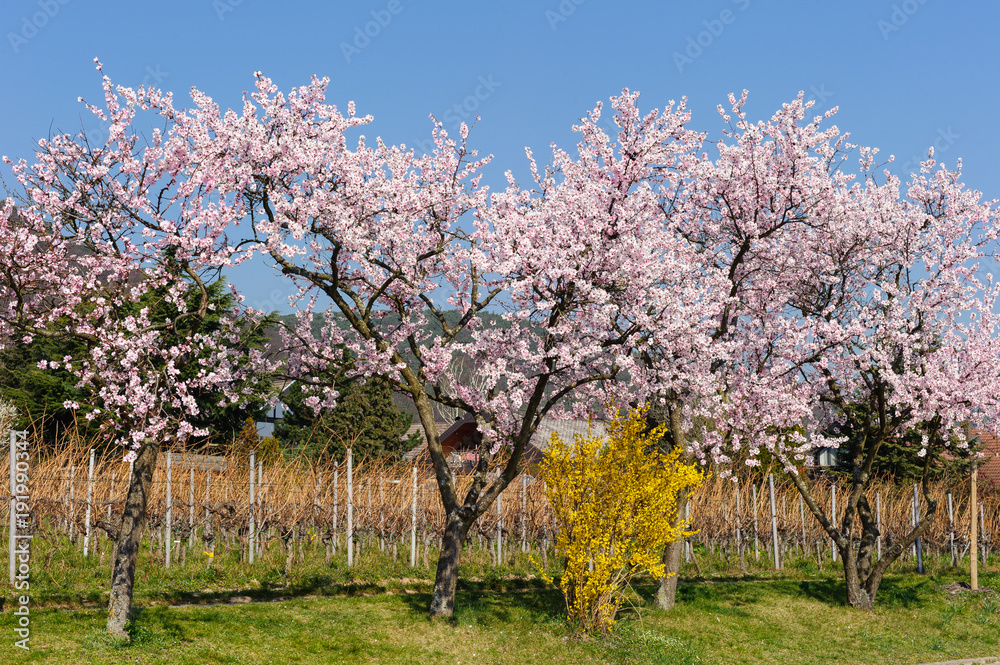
[98, 229]
[847, 289]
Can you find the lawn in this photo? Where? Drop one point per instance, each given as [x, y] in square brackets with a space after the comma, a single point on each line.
[740, 621]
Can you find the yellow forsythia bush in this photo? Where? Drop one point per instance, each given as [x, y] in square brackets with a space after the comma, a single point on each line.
[615, 499]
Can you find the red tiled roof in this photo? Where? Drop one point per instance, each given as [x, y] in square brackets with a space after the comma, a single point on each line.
[989, 466]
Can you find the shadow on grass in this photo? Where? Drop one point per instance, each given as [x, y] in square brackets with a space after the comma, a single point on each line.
[487, 607]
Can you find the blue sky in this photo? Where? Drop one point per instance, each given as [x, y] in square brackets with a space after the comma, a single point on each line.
[905, 74]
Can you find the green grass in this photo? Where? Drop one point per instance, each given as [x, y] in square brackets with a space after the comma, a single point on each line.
[376, 613]
[753, 621]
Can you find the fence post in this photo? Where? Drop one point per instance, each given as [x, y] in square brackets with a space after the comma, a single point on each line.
[916, 521]
[413, 523]
[833, 519]
[687, 541]
[524, 513]
[191, 514]
[260, 498]
[350, 509]
[973, 546]
[72, 504]
[381, 514]
[167, 538]
[802, 518]
[12, 534]
[737, 522]
[774, 524]
[251, 526]
[499, 529]
[208, 517]
[316, 510]
[878, 522]
[90, 503]
[951, 527]
[756, 531]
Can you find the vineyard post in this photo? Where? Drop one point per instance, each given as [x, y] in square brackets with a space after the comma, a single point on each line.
[111, 495]
[381, 513]
[90, 503]
[499, 530]
[72, 504]
[878, 522]
[336, 508]
[413, 523]
[951, 527]
[833, 519]
[423, 505]
[756, 531]
[524, 513]
[167, 538]
[350, 509]
[739, 531]
[687, 542]
[368, 511]
[191, 514]
[802, 518]
[774, 524]
[916, 520]
[12, 534]
[973, 546]
[250, 520]
[319, 486]
[208, 518]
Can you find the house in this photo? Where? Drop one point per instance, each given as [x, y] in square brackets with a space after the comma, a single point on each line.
[461, 440]
[265, 426]
[989, 465]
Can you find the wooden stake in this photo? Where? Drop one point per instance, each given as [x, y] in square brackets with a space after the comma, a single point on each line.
[167, 524]
[90, 502]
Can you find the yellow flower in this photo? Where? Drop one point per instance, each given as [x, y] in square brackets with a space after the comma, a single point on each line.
[616, 500]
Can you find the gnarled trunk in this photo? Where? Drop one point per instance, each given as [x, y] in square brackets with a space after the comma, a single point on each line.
[129, 536]
[446, 580]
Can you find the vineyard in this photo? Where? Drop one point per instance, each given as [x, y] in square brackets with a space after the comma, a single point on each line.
[208, 505]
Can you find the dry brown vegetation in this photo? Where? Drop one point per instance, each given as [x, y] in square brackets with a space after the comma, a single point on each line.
[299, 500]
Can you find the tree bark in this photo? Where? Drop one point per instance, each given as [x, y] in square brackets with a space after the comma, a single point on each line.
[666, 593]
[446, 580]
[129, 536]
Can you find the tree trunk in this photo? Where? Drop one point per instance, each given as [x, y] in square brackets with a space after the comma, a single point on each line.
[446, 580]
[129, 536]
[666, 593]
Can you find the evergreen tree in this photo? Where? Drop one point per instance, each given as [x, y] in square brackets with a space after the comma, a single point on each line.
[365, 418]
[39, 395]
